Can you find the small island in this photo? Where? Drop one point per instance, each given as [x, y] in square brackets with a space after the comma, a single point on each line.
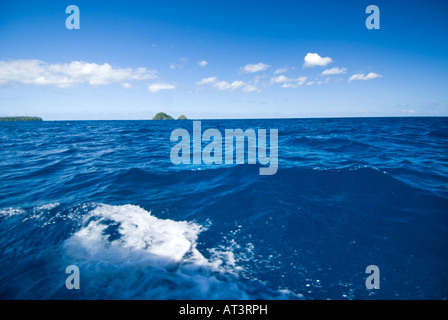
[164, 116]
[20, 119]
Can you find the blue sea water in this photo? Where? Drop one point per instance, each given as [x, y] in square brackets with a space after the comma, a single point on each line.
[104, 196]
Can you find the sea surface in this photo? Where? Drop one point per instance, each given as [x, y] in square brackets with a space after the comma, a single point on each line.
[105, 197]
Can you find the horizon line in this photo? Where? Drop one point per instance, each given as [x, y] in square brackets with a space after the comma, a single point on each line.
[214, 119]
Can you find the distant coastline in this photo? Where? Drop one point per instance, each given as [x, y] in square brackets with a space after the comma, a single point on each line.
[5, 119]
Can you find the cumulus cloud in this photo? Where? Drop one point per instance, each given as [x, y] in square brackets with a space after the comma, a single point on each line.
[202, 63]
[289, 82]
[68, 74]
[206, 81]
[251, 68]
[224, 85]
[280, 79]
[250, 87]
[361, 76]
[156, 87]
[281, 70]
[313, 60]
[334, 71]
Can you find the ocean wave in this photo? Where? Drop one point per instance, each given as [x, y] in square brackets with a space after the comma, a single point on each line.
[124, 252]
[158, 258]
[105, 196]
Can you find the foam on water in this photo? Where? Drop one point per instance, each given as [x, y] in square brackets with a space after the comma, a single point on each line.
[117, 233]
[9, 212]
[124, 247]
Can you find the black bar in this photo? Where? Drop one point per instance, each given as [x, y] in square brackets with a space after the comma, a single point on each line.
[226, 309]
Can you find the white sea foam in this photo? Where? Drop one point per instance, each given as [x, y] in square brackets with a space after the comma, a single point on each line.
[124, 252]
[129, 250]
[9, 212]
[48, 206]
[115, 233]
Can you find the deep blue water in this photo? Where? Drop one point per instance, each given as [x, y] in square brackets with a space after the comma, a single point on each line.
[104, 196]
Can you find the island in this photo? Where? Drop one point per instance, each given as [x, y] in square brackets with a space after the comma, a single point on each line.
[20, 119]
[164, 116]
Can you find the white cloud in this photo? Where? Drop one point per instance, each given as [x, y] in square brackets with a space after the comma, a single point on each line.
[334, 71]
[324, 82]
[360, 76]
[181, 62]
[280, 79]
[300, 81]
[126, 85]
[251, 68]
[155, 87]
[313, 60]
[224, 85]
[68, 74]
[202, 63]
[281, 70]
[289, 82]
[206, 81]
[250, 88]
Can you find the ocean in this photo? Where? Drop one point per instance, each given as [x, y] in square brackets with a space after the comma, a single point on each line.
[104, 196]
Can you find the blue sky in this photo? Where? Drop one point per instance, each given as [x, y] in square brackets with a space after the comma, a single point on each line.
[223, 59]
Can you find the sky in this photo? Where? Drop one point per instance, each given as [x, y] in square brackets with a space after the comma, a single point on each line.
[223, 59]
